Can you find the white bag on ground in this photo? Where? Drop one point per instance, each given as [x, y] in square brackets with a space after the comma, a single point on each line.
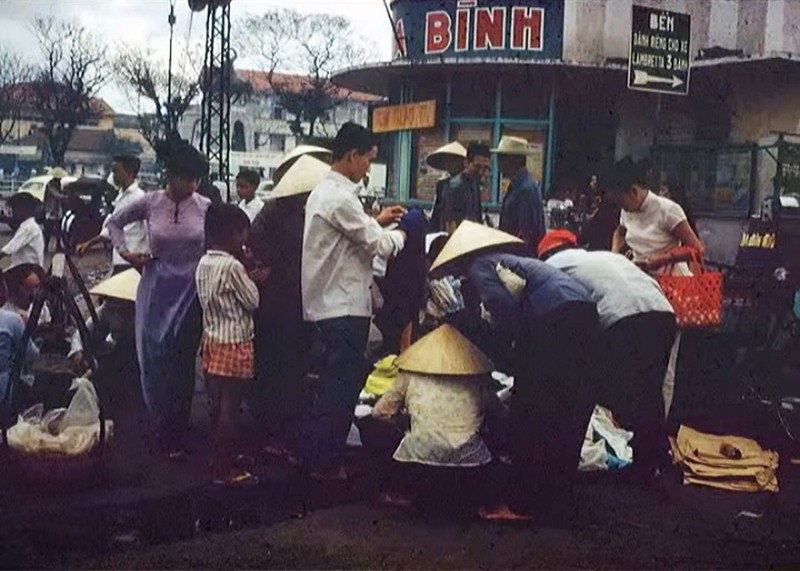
[72, 432]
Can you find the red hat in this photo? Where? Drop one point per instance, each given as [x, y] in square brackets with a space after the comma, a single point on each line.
[555, 239]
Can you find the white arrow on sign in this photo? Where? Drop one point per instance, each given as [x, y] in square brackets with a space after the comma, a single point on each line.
[643, 78]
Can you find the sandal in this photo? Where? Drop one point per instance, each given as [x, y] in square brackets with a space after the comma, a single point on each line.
[280, 451]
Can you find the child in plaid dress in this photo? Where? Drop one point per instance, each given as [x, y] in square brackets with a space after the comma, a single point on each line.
[229, 297]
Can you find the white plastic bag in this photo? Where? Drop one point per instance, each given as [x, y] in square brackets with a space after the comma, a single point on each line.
[73, 431]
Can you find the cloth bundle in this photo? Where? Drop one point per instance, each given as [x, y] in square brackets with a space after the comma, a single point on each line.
[605, 445]
[724, 462]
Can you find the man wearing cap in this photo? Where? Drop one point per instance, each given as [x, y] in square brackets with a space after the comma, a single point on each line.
[522, 212]
[282, 338]
[551, 322]
[461, 197]
[450, 159]
[339, 243]
[124, 173]
[638, 328]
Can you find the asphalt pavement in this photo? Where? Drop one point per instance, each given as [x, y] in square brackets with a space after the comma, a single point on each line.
[138, 510]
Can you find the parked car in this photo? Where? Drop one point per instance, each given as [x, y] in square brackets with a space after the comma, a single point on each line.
[264, 190]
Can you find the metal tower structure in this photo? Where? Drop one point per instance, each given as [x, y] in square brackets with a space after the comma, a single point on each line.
[215, 125]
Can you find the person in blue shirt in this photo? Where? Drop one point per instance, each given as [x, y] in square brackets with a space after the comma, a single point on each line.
[551, 324]
[11, 329]
[522, 212]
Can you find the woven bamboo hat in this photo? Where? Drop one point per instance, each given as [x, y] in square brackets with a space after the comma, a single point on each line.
[302, 177]
[439, 158]
[471, 237]
[289, 159]
[513, 146]
[445, 351]
[58, 172]
[121, 286]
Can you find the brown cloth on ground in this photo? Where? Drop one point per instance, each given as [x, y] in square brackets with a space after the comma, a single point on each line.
[724, 462]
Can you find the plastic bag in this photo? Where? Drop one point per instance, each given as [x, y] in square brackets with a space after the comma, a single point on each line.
[72, 431]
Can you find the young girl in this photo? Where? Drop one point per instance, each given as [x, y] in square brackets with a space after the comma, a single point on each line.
[229, 297]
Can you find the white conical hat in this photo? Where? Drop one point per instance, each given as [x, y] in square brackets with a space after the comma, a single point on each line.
[121, 286]
[470, 237]
[438, 158]
[289, 158]
[445, 351]
[302, 177]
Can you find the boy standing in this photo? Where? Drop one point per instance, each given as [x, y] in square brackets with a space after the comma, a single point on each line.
[228, 297]
[246, 184]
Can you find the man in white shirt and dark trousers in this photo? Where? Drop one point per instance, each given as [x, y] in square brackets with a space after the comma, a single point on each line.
[124, 173]
[339, 243]
[638, 325]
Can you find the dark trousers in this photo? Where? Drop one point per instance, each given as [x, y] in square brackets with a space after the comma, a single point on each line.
[342, 376]
[278, 398]
[637, 354]
[551, 407]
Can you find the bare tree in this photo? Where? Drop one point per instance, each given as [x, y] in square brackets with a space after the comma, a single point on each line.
[314, 45]
[144, 76]
[65, 85]
[14, 75]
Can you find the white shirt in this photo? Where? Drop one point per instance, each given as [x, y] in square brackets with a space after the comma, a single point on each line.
[137, 239]
[252, 208]
[618, 287]
[446, 418]
[26, 246]
[339, 242]
[228, 296]
[649, 230]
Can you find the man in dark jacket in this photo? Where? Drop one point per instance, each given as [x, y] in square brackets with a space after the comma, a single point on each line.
[450, 159]
[461, 198]
[522, 213]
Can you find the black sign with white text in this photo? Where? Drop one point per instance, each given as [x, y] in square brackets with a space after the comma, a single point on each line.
[660, 52]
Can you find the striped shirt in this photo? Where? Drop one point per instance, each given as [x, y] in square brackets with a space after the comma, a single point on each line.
[228, 296]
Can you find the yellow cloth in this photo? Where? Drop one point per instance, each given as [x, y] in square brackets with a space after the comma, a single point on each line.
[382, 377]
[703, 462]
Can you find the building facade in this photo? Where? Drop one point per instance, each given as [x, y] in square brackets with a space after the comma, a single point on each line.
[260, 127]
[556, 73]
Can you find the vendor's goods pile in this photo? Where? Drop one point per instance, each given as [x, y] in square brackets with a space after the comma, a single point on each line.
[724, 462]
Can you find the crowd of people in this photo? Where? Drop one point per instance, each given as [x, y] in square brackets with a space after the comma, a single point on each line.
[272, 294]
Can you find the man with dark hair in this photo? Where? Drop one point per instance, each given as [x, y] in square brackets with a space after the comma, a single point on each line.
[339, 243]
[522, 213]
[124, 172]
[247, 182]
[461, 198]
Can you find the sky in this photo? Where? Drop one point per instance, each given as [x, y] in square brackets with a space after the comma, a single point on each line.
[144, 22]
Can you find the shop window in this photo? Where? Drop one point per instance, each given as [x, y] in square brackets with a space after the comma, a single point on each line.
[717, 181]
[537, 139]
[424, 178]
[473, 95]
[523, 99]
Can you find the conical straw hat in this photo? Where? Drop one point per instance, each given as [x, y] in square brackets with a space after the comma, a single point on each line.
[438, 159]
[302, 177]
[121, 286]
[300, 150]
[445, 351]
[470, 237]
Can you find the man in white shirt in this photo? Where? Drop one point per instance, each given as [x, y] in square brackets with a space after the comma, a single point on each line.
[137, 238]
[339, 243]
[27, 244]
[247, 182]
[639, 328]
